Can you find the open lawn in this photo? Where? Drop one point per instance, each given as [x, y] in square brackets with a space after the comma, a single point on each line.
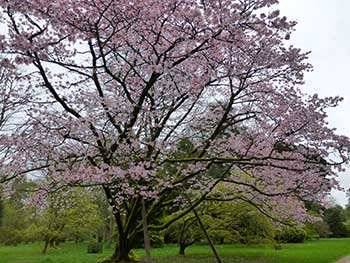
[321, 251]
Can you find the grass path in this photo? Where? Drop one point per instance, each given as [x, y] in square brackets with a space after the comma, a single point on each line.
[322, 251]
[344, 260]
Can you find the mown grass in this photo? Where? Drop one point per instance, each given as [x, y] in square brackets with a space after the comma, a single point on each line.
[321, 251]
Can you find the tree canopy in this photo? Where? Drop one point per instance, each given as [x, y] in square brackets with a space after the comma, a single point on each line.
[108, 88]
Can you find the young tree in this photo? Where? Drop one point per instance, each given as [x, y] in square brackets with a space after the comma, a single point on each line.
[114, 86]
[185, 232]
[70, 215]
[17, 218]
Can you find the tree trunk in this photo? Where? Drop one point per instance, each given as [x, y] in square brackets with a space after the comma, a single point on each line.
[146, 237]
[46, 245]
[218, 259]
[52, 243]
[122, 250]
[126, 231]
[182, 249]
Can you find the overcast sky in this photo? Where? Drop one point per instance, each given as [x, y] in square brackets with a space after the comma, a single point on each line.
[324, 28]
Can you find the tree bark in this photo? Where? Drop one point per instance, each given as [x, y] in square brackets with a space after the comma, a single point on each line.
[218, 259]
[128, 227]
[182, 248]
[122, 250]
[200, 223]
[52, 243]
[146, 237]
[46, 245]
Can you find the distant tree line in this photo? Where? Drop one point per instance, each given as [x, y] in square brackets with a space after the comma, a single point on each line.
[81, 215]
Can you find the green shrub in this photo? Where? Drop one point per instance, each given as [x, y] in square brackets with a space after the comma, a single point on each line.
[311, 233]
[322, 229]
[291, 235]
[157, 241]
[94, 248]
[254, 240]
[278, 246]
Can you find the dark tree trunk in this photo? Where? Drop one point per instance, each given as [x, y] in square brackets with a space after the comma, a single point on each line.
[126, 229]
[52, 243]
[46, 245]
[122, 250]
[182, 249]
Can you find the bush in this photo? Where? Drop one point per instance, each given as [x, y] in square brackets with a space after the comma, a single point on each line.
[311, 233]
[157, 241]
[278, 246]
[250, 226]
[291, 235]
[255, 240]
[94, 248]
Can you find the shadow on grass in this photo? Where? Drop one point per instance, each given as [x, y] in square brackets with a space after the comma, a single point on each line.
[206, 259]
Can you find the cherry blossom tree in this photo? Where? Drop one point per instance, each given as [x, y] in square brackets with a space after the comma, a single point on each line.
[115, 86]
[14, 96]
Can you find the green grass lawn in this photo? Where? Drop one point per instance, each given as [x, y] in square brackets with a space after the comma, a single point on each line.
[322, 251]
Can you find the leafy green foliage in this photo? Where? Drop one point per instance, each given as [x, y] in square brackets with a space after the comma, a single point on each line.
[17, 218]
[16, 224]
[335, 218]
[226, 222]
[319, 229]
[157, 241]
[1, 209]
[238, 222]
[185, 232]
[94, 248]
[291, 235]
[69, 215]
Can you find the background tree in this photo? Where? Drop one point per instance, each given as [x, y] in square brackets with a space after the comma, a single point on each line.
[15, 94]
[1, 208]
[17, 217]
[107, 231]
[336, 220]
[322, 229]
[15, 223]
[68, 215]
[114, 87]
[291, 234]
[226, 222]
[246, 224]
[185, 232]
[347, 206]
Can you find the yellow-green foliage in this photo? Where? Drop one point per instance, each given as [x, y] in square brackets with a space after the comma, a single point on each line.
[69, 216]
